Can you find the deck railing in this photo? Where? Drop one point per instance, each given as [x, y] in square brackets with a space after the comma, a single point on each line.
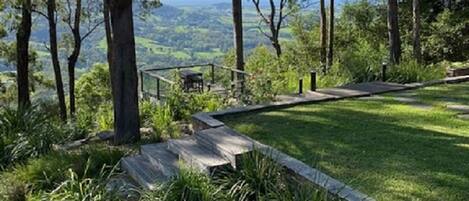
[154, 74]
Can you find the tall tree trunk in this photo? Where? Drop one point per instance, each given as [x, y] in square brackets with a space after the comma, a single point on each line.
[330, 53]
[323, 33]
[22, 54]
[416, 30]
[107, 26]
[393, 29]
[55, 58]
[124, 75]
[108, 29]
[238, 35]
[73, 58]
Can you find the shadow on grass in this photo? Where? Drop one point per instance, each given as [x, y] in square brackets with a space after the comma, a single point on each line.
[382, 148]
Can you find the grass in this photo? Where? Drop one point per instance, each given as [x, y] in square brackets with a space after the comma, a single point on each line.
[384, 148]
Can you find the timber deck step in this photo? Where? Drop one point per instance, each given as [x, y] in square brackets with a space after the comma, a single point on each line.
[142, 171]
[226, 143]
[196, 155]
[160, 157]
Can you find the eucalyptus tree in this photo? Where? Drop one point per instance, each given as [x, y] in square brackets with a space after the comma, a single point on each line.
[22, 53]
[417, 50]
[393, 31]
[124, 73]
[323, 32]
[330, 51]
[88, 14]
[273, 20]
[238, 34]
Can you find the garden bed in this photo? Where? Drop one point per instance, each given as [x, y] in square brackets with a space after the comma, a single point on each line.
[390, 147]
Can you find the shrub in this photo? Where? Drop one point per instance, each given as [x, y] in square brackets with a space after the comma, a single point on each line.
[78, 188]
[94, 88]
[45, 172]
[105, 117]
[24, 133]
[146, 112]
[260, 178]
[411, 71]
[189, 185]
[163, 124]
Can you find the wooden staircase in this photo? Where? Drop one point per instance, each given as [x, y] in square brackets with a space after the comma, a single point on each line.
[207, 150]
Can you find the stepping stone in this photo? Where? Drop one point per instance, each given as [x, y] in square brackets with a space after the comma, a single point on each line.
[197, 156]
[159, 156]
[405, 99]
[142, 171]
[372, 98]
[406, 94]
[421, 106]
[225, 142]
[343, 92]
[464, 116]
[459, 108]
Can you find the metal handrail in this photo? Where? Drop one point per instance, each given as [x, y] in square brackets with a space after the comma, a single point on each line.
[148, 71]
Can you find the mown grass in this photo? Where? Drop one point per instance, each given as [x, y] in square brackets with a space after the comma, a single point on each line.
[385, 148]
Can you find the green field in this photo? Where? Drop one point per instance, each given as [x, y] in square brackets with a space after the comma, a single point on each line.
[384, 147]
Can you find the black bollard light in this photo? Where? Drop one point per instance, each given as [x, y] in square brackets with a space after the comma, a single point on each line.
[300, 86]
[313, 80]
[383, 71]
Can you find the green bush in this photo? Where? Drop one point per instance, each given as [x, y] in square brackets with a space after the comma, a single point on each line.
[80, 187]
[410, 70]
[163, 124]
[46, 172]
[105, 117]
[94, 88]
[189, 185]
[25, 133]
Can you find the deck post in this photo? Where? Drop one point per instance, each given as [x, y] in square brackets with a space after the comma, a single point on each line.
[141, 83]
[212, 73]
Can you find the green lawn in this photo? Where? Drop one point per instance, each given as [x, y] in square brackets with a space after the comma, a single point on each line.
[385, 148]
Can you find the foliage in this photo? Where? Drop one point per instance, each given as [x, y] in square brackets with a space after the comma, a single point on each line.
[163, 123]
[189, 185]
[105, 117]
[94, 88]
[25, 133]
[46, 172]
[260, 178]
[362, 61]
[183, 105]
[410, 70]
[448, 38]
[78, 188]
[267, 76]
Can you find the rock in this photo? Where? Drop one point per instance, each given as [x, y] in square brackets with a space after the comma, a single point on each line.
[459, 108]
[105, 135]
[71, 145]
[123, 187]
[146, 131]
[464, 116]
[405, 99]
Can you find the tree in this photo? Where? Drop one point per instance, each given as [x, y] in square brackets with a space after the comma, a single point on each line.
[393, 31]
[124, 73]
[51, 18]
[238, 33]
[417, 51]
[273, 21]
[22, 53]
[74, 25]
[323, 32]
[330, 53]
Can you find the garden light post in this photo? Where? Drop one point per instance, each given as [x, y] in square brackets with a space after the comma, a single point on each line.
[313, 80]
[383, 71]
[300, 85]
